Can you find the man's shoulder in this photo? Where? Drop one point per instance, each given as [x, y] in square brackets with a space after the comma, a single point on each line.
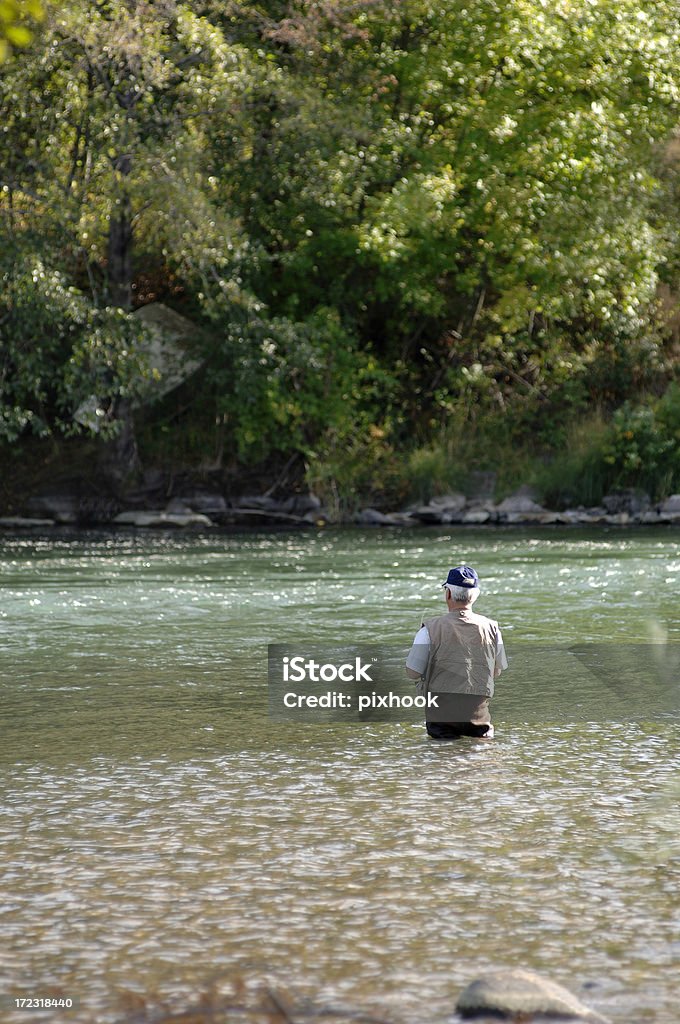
[483, 620]
[473, 618]
[434, 619]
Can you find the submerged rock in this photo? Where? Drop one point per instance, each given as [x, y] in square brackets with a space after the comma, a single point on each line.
[523, 994]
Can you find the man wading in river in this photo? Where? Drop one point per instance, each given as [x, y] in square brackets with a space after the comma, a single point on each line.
[457, 657]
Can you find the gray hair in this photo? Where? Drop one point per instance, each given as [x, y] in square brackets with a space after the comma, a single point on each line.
[465, 595]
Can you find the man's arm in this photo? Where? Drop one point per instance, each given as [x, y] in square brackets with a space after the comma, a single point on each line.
[416, 663]
[501, 659]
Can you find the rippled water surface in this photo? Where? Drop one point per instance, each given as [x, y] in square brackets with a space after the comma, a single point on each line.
[156, 828]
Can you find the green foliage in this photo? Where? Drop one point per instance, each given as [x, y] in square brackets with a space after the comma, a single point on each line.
[359, 468]
[431, 471]
[17, 18]
[58, 350]
[284, 386]
[390, 216]
[642, 450]
[577, 473]
[637, 448]
[668, 413]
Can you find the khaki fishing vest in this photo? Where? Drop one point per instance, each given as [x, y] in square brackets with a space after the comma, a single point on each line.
[463, 648]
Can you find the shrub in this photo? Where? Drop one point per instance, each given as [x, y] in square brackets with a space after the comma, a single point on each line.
[641, 450]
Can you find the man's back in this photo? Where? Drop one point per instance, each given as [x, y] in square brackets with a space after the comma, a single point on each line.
[465, 649]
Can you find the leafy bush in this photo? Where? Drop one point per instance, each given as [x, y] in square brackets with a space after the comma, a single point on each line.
[58, 349]
[358, 469]
[637, 448]
[642, 451]
[297, 386]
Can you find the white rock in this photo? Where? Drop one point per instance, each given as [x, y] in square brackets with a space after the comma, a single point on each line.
[618, 518]
[513, 993]
[670, 505]
[450, 502]
[522, 500]
[649, 518]
[476, 515]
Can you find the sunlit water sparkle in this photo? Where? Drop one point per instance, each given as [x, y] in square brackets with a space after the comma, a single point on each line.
[156, 828]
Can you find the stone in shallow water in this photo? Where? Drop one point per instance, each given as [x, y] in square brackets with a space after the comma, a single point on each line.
[513, 994]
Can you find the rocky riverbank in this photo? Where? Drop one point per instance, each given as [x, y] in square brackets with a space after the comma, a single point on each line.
[205, 509]
[624, 508]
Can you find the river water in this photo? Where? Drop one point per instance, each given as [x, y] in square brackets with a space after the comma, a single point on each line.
[157, 829]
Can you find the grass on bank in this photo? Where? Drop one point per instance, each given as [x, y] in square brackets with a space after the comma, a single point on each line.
[637, 447]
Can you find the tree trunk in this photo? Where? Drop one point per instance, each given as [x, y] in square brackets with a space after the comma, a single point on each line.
[120, 253]
[120, 457]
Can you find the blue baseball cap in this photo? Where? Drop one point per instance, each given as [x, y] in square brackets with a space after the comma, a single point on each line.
[461, 576]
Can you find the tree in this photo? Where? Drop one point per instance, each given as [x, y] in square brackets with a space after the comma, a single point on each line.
[472, 184]
[461, 197]
[102, 127]
[17, 18]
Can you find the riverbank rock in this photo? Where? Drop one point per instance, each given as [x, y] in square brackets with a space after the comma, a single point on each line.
[300, 504]
[669, 510]
[451, 503]
[75, 507]
[371, 517]
[430, 515]
[206, 503]
[297, 509]
[62, 507]
[450, 508]
[24, 523]
[522, 507]
[162, 519]
[478, 515]
[582, 516]
[522, 995]
[630, 501]
[262, 502]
